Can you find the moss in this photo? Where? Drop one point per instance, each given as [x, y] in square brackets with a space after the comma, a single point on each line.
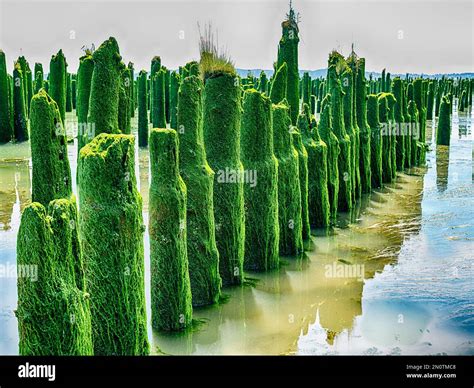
[142, 110]
[318, 200]
[364, 157]
[222, 111]
[84, 79]
[279, 84]
[20, 126]
[111, 234]
[443, 130]
[263, 82]
[105, 88]
[391, 102]
[68, 93]
[158, 100]
[347, 78]
[53, 310]
[419, 101]
[344, 158]
[6, 130]
[414, 123]
[167, 94]
[58, 82]
[51, 174]
[303, 176]
[124, 116]
[171, 301]
[430, 101]
[133, 95]
[27, 83]
[330, 139]
[261, 196]
[289, 194]
[39, 77]
[74, 93]
[306, 88]
[174, 86]
[203, 256]
[376, 141]
[384, 117]
[288, 53]
[400, 121]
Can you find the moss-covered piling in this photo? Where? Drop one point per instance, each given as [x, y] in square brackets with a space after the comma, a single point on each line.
[53, 305]
[142, 109]
[443, 130]
[198, 176]
[6, 130]
[20, 121]
[58, 82]
[105, 88]
[289, 194]
[84, 79]
[51, 174]
[222, 115]
[261, 191]
[111, 230]
[171, 300]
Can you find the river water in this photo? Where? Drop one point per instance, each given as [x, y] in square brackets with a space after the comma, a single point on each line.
[395, 277]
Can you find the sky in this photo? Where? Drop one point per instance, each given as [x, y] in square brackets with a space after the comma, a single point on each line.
[424, 36]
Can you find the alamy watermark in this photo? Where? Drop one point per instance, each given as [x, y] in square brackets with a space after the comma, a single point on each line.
[230, 175]
[340, 270]
[400, 129]
[13, 271]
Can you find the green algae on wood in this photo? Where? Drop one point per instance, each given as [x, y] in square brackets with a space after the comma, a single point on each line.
[443, 130]
[53, 305]
[20, 121]
[364, 128]
[105, 88]
[221, 121]
[399, 123]
[261, 192]
[171, 301]
[303, 177]
[318, 200]
[279, 84]
[288, 53]
[158, 99]
[174, 86]
[203, 256]
[68, 92]
[289, 194]
[344, 159]
[6, 129]
[332, 142]
[376, 141]
[51, 174]
[111, 234]
[384, 117]
[39, 77]
[142, 109]
[84, 79]
[58, 82]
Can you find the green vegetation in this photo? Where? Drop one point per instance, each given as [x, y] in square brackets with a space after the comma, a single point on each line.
[289, 194]
[111, 235]
[6, 130]
[171, 301]
[261, 193]
[203, 256]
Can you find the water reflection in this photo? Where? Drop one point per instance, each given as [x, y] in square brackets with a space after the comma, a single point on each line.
[442, 167]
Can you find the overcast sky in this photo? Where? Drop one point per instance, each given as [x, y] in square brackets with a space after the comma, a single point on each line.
[404, 36]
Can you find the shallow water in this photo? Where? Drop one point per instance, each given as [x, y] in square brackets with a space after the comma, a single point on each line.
[395, 277]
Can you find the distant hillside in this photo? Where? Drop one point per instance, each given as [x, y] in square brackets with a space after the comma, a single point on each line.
[322, 73]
